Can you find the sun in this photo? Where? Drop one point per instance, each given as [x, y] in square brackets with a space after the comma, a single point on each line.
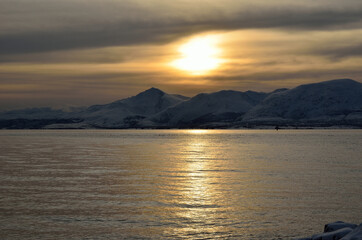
[199, 55]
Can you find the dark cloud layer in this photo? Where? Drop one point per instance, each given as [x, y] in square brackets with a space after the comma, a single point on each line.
[82, 52]
[337, 53]
[79, 25]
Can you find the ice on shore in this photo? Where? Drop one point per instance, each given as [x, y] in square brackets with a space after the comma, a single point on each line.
[339, 231]
[330, 227]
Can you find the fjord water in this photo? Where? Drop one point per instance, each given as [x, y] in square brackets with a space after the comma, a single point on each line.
[177, 184]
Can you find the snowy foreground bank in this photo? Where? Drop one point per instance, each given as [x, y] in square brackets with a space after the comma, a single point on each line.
[339, 230]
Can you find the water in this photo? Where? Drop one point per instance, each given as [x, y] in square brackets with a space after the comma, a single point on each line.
[177, 184]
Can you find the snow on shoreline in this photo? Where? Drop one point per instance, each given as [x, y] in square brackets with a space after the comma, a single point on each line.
[338, 231]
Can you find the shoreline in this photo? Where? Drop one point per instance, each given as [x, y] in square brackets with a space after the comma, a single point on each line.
[338, 231]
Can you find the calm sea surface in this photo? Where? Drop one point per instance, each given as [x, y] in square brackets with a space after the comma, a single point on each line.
[177, 184]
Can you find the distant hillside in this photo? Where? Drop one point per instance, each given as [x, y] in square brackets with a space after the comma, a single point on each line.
[223, 106]
[32, 113]
[127, 112]
[336, 101]
[330, 103]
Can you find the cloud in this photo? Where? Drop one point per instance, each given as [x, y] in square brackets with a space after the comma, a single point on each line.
[338, 53]
[84, 52]
[48, 25]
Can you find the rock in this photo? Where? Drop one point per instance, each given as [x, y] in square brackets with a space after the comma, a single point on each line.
[356, 234]
[330, 227]
[335, 235]
[338, 234]
[338, 231]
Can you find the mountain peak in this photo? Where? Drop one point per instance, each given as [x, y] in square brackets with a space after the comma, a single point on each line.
[345, 82]
[341, 81]
[153, 90]
[150, 94]
[337, 84]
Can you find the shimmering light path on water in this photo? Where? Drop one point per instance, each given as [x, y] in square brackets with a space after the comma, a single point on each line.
[177, 184]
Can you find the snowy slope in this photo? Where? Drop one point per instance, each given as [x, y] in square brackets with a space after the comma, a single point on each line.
[34, 118]
[334, 100]
[127, 112]
[219, 106]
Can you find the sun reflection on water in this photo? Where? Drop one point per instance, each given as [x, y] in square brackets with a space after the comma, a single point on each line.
[199, 201]
[197, 131]
[173, 184]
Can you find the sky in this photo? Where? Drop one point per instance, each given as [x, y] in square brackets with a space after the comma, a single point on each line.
[82, 52]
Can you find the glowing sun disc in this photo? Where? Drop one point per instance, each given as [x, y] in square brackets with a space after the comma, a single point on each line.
[199, 55]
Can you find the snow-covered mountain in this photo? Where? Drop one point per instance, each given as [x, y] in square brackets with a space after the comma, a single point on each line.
[123, 113]
[335, 102]
[223, 106]
[331, 101]
[35, 118]
[127, 112]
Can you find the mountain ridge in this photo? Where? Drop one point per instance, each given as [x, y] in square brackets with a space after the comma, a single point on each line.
[334, 99]
[328, 103]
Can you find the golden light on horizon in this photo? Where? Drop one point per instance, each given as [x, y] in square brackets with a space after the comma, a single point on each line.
[198, 131]
[199, 55]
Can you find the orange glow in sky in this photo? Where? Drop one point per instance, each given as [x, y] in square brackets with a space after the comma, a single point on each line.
[199, 55]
